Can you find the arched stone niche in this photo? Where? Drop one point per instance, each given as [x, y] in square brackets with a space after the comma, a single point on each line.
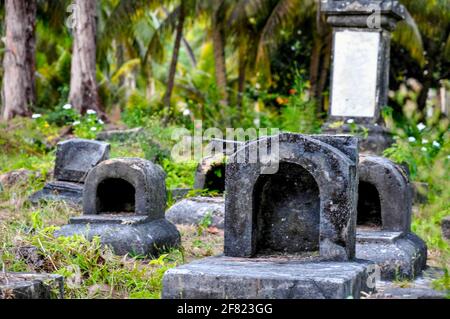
[385, 195]
[127, 185]
[308, 205]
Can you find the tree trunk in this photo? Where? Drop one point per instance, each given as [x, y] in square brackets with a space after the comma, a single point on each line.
[220, 63]
[173, 64]
[19, 61]
[83, 84]
[241, 78]
[324, 73]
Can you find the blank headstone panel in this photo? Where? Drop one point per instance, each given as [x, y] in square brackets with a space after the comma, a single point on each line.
[75, 157]
[384, 186]
[263, 211]
[126, 185]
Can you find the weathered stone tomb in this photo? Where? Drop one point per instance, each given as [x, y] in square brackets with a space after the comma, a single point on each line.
[210, 175]
[123, 203]
[290, 234]
[74, 159]
[384, 220]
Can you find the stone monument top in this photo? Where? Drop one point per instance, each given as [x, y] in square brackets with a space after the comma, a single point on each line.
[355, 13]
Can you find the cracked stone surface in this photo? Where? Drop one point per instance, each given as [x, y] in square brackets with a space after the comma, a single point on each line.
[249, 278]
[31, 286]
[399, 256]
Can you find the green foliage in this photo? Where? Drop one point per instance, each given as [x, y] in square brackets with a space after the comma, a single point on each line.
[91, 270]
[179, 175]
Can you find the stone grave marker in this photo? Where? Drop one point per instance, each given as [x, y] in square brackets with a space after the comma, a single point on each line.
[360, 72]
[74, 159]
[290, 234]
[384, 220]
[123, 203]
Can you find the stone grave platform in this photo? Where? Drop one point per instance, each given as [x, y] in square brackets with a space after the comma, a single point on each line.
[399, 255]
[31, 286]
[266, 278]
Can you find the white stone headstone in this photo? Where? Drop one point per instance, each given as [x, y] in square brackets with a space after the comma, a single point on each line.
[355, 71]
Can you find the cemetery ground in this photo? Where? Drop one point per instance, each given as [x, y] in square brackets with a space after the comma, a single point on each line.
[92, 271]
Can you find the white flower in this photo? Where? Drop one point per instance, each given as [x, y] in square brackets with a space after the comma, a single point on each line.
[423, 149]
[350, 121]
[425, 141]
[101, 122]
[421, 126]
[67, 107]
[91, 112]
[186, 112]
[36, 116]
[436, 144]
[411, 139]
[93, 129]
[257, 86]
[448, 157]
[76, 123]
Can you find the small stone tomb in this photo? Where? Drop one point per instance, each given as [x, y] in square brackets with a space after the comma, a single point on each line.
[210, 175]
[290, 234]
[74, 159]
[384, 220]
[123, 203]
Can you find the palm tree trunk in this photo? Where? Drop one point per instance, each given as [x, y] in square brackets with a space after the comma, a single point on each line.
[220, 63]
[173, 64]
[19, 61]
[83, 84]
[241, 78]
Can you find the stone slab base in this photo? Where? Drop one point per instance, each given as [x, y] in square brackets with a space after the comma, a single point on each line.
[374, 142]
[243, 278]
[72, 193]
[125, 235]
[31, 286]
[191, 211]
[399, 256]
[419, 288]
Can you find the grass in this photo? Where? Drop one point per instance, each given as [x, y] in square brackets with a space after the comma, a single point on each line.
[92, 271]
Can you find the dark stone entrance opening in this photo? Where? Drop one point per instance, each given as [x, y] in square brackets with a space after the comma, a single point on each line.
[215, 178]
[369, 207]
[287, 211]
[115, 195]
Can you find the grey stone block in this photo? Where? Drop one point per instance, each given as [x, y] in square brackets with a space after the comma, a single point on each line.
[244, 278]
[31, 286]
[281, 211]
[355, 13]
[385, 196]
[135, 235]
[419, 288]
[445, 224]
[71, 193]
[74, 159]
[399, 255]
[191, 211]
